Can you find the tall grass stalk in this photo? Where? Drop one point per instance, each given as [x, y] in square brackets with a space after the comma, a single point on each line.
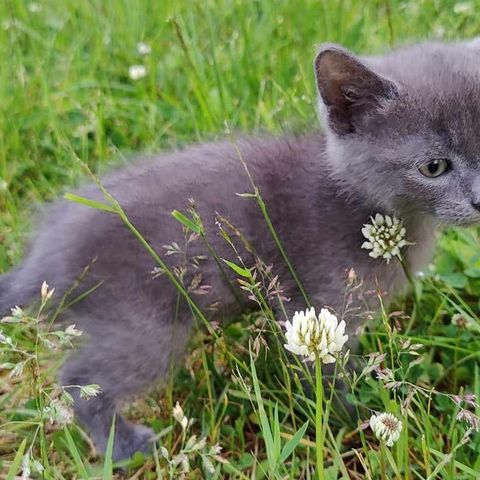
[319, 430]
[258, 198]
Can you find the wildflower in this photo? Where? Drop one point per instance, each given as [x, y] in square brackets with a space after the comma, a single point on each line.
[177, 412]
[72, 331]
[471, 400]
[16, 316]
[34, 7]
[58, 413]
[385, 237]
[470, 418]
[11, 23]
[143, 49]
[5, 339]
[136, 72]
[208, 465]
[439, 31]
[164, 453]
[463, 8]
[37, 466]
[45, 292]
[386, 427]
[193, 444]
[182, 460]
[26, 470]
[312, 336]
[463, 321]
[215, 450]
[179, 416]
[17, 369]
[88, 391]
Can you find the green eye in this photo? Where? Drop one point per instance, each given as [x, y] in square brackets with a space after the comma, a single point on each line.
[435, 168]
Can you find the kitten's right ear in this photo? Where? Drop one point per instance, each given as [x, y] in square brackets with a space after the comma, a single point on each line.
[348, 88]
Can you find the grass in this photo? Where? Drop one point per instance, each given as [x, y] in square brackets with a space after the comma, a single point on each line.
[65, 93]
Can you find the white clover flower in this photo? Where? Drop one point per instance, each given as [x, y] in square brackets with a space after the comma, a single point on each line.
[463, 321]
[143, 49]
[34, 7]
[385, 237]
[312, 336]
[386, 427]
[136, 72]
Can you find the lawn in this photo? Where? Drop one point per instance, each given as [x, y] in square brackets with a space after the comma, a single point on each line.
[69, 97]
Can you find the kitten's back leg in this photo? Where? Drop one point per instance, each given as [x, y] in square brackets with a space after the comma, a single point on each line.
[123, 361]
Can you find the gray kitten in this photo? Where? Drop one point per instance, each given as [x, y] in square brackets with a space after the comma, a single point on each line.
[401, 137]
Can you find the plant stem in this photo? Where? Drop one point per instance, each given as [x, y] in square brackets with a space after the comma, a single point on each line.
[266, 216]
[383, 471]
[416, 299]
[319, 440]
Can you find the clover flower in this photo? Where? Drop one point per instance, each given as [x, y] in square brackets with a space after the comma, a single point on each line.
[136, 72]
[312, 336]
[464, 321]
[386, 427]
[143, 49]
[34, 7]
[385, 237]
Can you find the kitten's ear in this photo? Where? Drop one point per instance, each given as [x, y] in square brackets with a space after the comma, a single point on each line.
[348, 88]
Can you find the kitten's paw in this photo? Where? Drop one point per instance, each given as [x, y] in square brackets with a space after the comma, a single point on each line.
[131, 439]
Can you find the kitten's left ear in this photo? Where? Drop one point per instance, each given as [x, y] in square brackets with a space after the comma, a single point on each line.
[348, 88]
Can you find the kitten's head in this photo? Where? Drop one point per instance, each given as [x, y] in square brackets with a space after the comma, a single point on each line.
[403, 130]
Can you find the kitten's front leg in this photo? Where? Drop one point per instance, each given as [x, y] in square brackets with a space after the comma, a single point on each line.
[124, 356]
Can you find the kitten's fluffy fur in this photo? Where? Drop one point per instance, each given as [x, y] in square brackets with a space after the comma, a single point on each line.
[384, 116]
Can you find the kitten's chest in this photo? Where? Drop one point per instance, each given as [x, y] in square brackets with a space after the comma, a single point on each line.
[329, 263]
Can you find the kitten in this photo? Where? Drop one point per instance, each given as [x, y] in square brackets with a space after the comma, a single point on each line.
[400, 138]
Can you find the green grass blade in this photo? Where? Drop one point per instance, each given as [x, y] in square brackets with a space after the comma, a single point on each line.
[290, 446]
[264, 424]
[180, 217]
[240, 270]
[89, 203]
[16, 461]
[81, 470]
[108, 462]
[277, 440]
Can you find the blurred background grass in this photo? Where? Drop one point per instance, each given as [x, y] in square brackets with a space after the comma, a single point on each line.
[65, 89]
[65, 93]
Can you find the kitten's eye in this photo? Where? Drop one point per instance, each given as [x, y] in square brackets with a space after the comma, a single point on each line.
[435, 168]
